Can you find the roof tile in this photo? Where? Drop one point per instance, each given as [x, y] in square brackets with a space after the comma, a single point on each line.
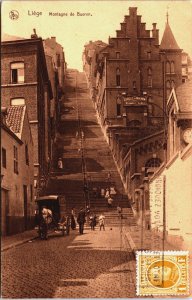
[14, 117]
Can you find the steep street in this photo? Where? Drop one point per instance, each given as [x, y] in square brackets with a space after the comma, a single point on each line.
[99, 263]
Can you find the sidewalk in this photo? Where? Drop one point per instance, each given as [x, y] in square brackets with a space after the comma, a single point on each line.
[142, 239]
[11, 241]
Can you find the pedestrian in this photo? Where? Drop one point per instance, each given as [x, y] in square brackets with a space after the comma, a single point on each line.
[93, 221]
[107, 194]
[60, 164]
[73, 223]
[109, 201]
[81, 220]
[87, 214]
[119, 209]
[102, 222]
[47, 215]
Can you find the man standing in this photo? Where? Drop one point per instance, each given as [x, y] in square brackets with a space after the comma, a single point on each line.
[81, 220]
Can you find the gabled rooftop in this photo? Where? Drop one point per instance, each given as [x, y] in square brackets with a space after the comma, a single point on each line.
[7, 37]
[15, 118]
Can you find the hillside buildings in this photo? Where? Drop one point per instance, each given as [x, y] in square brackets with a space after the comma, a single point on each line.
[133, 77]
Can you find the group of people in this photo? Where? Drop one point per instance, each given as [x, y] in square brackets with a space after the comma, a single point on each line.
[91, 219]
[84, 215]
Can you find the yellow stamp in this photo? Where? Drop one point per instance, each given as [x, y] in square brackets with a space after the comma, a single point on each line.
[162, 273]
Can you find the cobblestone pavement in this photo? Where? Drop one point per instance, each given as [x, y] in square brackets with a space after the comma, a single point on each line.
[96, 264]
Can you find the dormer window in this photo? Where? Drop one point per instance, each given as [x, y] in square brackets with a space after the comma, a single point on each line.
[17, 101]
[17, 72]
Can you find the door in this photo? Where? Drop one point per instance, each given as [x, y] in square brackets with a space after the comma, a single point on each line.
[25, 205]
[4, 212]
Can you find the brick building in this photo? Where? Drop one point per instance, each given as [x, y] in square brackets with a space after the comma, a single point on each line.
[134, 76]
[17, 171]
[134, 64]
[25, 81]
[56, 65]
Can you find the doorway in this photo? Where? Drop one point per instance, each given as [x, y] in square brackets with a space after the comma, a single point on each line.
[25, 206]
[4, 212]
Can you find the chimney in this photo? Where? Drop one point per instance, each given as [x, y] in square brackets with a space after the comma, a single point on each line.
[53, 38]
[154, 26]
[34, 35]
[155, 32]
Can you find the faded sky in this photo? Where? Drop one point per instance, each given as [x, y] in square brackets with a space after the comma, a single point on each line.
[72, 32]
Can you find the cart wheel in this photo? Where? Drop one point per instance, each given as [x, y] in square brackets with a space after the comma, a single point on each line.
[67, 230]
[63, 231]
[43, 232]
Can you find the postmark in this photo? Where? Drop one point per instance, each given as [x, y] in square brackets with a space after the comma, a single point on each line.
[162, 273]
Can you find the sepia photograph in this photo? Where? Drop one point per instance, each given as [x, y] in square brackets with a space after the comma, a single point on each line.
[96, 149]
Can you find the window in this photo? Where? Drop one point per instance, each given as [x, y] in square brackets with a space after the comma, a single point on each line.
[17, 72]
[4, 158]
[118, 77]
[58, 60]
[148, 55]
[168, 67]
[152, 163]
[172, 67]
[172, 132]
[149, 77]
[18, 101]
[118, 107]
[31, 188]
[26, 155]
[117, 54]
[134, 85]
[172, 83]
[15, 152]
[168, 88]
[150, 109]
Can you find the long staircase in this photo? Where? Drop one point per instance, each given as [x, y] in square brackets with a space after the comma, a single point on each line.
[86, 157]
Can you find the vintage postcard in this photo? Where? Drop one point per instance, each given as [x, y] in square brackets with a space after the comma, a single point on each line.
[96, 149]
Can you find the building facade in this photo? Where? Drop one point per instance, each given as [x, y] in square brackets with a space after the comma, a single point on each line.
[17, 171]
[175, 204]
[56, 67]
[25, 81]
[135, 65]
[133, 76]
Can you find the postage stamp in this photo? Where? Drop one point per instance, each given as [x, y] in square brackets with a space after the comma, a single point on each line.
[162, 273]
